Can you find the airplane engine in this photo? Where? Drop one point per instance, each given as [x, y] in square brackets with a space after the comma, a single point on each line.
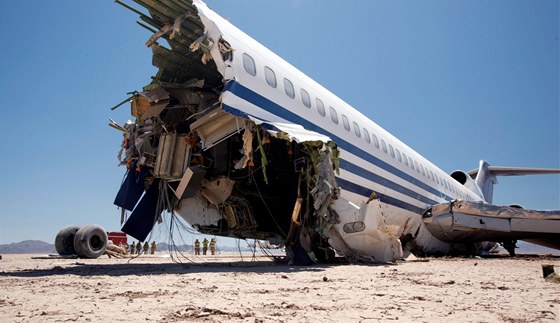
[464, 178]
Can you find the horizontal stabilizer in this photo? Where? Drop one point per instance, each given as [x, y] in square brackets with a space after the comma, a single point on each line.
[513, 171]
[485, 176]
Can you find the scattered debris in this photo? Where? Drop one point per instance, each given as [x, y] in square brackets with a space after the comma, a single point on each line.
[549, 274]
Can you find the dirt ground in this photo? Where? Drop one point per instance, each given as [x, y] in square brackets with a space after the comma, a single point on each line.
[228, 288]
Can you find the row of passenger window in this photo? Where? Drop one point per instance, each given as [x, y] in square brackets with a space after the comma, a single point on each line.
[270, 77]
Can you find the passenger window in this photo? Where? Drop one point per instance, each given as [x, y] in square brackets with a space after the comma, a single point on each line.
[249, 64]
[320, 107]
[289, 88]
[305, 98]
[422, 168]
[357, 129]
[383, 146]
[391, 151]
[345, 123]
[398, 155]
[366, 135]
[334, 115]
[270, 76]
[375, 140]
[417, 167]
[404, 159]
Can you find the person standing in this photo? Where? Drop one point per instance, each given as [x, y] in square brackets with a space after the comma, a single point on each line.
[197, 248]
[132, 246]
[138, 247]
[153, 247]
[204, 246]
[213, 246]
[146, 247]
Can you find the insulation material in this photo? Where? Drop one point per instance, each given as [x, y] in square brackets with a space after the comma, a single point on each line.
[247, 147]
[325, 189]
[369, 237]
[149, 104]
[163, 30]
[178, 23]
[204, 44]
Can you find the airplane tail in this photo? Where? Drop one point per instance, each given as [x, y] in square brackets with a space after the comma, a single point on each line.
[485, 176]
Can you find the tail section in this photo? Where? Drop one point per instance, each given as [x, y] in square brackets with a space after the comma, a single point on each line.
[485, 176]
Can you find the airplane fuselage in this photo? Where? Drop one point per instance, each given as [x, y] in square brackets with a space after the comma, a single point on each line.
[248, 146]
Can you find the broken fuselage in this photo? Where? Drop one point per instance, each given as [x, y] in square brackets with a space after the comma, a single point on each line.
[240, 143]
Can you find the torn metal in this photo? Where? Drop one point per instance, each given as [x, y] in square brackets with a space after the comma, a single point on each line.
[477, 222]
[225, 166]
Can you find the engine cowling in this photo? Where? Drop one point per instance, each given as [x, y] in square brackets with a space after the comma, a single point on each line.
[464, 178]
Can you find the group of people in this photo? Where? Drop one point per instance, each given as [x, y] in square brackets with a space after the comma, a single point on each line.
[205, 244]
[138, 249]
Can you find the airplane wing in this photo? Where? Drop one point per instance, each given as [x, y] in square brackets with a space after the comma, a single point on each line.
[464, 222]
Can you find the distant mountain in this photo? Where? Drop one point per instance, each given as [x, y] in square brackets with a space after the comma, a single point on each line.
[27, 246]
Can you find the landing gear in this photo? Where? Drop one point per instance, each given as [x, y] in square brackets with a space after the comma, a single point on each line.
[90, 241]
[510, 247]
[64, 242]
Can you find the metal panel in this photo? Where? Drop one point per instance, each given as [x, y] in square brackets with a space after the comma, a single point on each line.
[531, 225]
[462, 221]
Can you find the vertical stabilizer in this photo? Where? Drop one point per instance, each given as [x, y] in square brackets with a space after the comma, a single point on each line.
[486, 180]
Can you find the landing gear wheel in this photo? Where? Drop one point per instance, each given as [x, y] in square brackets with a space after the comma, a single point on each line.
[90, 241]
[64, 241]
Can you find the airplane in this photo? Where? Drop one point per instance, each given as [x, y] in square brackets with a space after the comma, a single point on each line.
[239, 143]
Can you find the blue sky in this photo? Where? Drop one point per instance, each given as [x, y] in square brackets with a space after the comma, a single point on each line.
[458, 81]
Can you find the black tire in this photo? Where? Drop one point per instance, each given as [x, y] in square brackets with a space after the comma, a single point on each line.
[64, 241]
[90, 241]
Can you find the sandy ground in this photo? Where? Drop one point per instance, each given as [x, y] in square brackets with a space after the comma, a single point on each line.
[226, 288]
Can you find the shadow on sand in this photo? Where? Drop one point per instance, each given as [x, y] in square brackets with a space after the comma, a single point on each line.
[141, 269]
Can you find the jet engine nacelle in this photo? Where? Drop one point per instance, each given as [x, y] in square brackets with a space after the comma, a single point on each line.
[464, 178]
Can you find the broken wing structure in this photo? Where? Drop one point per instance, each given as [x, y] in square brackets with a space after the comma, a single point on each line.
[473, 222]
[201, 149]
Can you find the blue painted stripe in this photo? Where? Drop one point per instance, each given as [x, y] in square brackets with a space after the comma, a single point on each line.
[271, 107]
[355, 169]
[358, 189]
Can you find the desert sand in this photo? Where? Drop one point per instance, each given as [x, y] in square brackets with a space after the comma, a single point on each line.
[255, 289]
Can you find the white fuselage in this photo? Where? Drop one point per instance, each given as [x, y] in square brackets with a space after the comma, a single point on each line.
[371, 159]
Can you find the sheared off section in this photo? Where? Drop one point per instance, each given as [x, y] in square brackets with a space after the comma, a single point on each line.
[175, 26]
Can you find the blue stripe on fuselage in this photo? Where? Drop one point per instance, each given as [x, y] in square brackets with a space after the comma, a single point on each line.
[271, 107]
